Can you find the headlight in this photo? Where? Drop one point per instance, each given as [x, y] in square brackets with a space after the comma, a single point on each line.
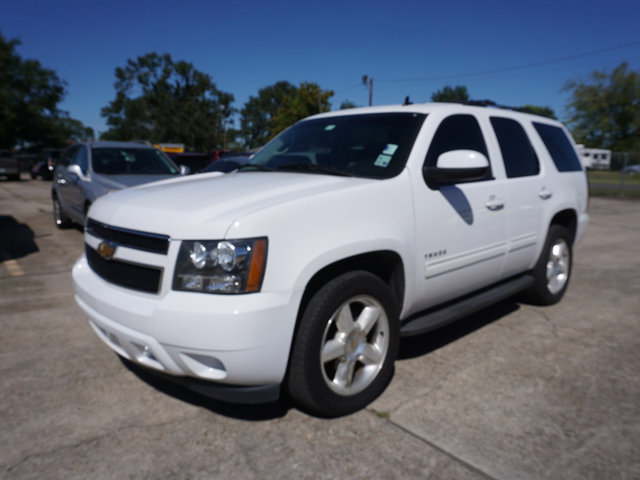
[221, 266]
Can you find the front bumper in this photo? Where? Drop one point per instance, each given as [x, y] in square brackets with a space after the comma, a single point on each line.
[239, 340]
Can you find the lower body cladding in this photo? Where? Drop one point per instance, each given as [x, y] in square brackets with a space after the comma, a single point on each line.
[229, 347]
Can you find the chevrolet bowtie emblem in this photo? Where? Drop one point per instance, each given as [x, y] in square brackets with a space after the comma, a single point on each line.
[106, 250]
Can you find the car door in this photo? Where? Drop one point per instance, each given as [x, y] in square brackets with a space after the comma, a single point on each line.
[526, 193]
[71, 185]
[460, 228]
[63, 179]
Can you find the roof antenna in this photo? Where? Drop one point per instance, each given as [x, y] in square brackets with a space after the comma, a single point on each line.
[407, 101]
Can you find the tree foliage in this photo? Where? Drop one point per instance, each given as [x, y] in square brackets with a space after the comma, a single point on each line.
[347, 104]
[458, 93]
[605, 111]
[308, 99]
[29, 98]
[166, 101]
[278, 106]
[255, 127]
[544, 111]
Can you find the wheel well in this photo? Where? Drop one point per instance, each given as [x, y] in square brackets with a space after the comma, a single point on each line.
[567, 219]
[387, 265]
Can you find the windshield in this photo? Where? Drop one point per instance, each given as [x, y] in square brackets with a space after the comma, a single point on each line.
[372, 145]
[132, 161]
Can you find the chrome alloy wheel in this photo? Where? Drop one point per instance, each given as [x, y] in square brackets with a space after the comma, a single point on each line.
[558, 266]
[354, 345]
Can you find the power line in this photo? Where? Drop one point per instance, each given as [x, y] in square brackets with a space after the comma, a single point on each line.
[513, 68]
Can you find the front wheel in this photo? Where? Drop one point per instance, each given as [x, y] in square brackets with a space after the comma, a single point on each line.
[553, 270]
[346, 344]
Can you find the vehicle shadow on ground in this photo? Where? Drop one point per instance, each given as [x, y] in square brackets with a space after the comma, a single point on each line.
[261, 412]
[16, 240]
[412, 347]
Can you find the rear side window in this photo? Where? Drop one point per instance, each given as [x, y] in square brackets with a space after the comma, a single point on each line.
[457, 132]
[559, 147]
[518, 155]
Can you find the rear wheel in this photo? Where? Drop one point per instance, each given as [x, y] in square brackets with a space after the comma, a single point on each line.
[59, 217]
[346, 344]
[553, 270]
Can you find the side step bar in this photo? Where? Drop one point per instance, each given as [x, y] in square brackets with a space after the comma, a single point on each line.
[436, 318]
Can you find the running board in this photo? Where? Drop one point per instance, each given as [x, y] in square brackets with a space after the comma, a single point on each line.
[439, 317]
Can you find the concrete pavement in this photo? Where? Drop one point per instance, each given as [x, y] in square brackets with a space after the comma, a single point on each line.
[515, 391]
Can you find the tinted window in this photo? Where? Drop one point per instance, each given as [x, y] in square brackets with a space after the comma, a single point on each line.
[457, 132]
[517, 153]
[373, 145]
[559, 147]
[132, 161]
[81, 159]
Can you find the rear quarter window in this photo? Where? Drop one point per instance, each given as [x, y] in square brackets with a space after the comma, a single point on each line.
[559, 146]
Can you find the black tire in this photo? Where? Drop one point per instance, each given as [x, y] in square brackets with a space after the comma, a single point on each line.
[59, 217]
[553, 269]
[354, 318]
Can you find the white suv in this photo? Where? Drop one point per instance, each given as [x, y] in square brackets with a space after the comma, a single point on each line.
[302, 269]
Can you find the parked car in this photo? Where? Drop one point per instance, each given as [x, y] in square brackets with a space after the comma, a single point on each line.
[45, 166]
[9, 165]
[348, 230]
[86, 171]
[631, 169]
[193, 160]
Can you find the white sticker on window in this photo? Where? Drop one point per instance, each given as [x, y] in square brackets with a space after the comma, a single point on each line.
[390, 149]
[382, 160]
[328, 128]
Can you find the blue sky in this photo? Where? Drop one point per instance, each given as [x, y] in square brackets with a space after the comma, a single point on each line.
[408, 47]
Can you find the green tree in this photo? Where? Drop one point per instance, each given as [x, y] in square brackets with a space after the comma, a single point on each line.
[308, 99]
[347, 104]
[278, 106]
[605, 111]
[255, 128]
[162, 100]
[458, 93]
[544, 111]
[29, 98]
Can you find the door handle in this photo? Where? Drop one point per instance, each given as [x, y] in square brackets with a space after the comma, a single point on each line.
[545, 194]
[494, 203]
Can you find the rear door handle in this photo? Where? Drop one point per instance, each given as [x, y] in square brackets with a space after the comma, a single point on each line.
[494, 203]
[545, 194]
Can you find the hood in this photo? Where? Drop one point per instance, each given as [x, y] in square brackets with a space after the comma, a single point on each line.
[206, 205]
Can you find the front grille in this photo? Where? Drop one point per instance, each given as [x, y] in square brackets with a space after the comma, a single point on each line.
[149, 242]
[128, 275]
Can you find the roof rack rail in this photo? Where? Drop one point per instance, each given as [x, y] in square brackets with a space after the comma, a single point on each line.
[491, 103]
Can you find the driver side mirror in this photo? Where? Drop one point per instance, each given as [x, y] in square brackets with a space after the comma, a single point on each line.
[456, 166]
[74, 169]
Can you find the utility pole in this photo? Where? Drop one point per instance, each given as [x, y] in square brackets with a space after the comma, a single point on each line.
[366, 79]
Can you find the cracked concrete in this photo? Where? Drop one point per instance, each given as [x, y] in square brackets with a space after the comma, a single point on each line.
[513, 392]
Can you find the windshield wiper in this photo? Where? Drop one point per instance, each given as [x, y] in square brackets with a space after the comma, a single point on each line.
[262, 168]
[314, 167]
